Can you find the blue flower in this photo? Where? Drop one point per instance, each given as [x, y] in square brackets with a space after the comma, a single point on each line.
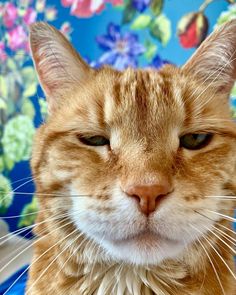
[121, 51]
[141, 5]
[157, 62]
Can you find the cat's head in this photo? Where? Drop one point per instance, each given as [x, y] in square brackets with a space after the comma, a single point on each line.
[141, 157]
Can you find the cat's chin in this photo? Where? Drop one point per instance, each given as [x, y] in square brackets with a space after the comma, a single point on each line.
[143, 249]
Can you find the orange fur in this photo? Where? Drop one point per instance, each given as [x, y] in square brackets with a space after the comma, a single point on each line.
[143, 112]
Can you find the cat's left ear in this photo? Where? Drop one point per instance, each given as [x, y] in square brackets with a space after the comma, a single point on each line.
[215, 60]
[58, 65]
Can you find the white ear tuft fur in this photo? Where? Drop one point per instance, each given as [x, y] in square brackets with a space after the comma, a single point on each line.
[215, 60]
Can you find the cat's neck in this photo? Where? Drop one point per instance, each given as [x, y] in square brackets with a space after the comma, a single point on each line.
[181, 276]
[80, 265]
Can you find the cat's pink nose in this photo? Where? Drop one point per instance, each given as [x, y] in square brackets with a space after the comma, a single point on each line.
[149, 195]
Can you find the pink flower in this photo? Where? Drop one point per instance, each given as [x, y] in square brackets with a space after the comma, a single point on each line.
[26, 46]
[30, 16]
[116, 2]
[67, 3]
[9, 15]
[66, 28]
[3, 55]
[86, 8]
[17, 38]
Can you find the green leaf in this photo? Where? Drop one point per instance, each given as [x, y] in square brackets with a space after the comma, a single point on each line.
[28, 75]
[157, 6]
[30, 90]
[1, 164]
[8, 163]
[3, 87]
[21, 12]
[11, 64]
[6, 194]
[151, 50]
[29, 214]
[43, 107]
[29, 81]
[129, 13]
[141, 22]
[160, 28]
[28, 108]
[233, 92]
[20, 56]
[3, 105]
[227, 15]
[17, 140]
[40, 6]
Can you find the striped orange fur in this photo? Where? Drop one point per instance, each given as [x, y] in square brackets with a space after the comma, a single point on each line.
[94, 239]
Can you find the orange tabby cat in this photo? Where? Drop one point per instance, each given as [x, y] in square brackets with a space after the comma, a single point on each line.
[134, 173]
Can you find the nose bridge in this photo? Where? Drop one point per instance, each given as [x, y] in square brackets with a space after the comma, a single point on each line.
[148, 180]
[146, 168]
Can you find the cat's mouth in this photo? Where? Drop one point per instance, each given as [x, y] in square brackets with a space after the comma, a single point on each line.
[145, 237]
[145, 247]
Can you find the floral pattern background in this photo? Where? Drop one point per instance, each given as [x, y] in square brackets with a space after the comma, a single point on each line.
[121, 33]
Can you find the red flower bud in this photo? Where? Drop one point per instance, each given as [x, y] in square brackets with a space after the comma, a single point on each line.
[192, 29]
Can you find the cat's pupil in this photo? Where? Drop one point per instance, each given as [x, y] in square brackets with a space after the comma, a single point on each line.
[195, 141]
[95, 140]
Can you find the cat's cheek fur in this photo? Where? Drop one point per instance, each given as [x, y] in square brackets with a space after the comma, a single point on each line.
[116, 224]
[114, 232]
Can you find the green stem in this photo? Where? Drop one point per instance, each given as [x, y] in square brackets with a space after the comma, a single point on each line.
[204, 5]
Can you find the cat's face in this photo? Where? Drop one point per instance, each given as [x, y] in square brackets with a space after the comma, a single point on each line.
[120, 147]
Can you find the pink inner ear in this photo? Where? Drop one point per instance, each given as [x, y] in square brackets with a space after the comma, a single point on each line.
[59, 66]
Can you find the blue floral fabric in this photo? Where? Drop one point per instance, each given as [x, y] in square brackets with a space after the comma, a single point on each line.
[16, 283]
[121, 33]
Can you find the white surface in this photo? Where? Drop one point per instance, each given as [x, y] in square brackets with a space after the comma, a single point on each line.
[15, 253]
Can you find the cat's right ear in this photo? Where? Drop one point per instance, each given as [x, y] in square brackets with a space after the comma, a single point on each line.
[214, 62]
[58, 65]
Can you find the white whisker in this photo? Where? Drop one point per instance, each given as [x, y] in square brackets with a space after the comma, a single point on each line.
[11, 236]
[46, 194]
[18, 231]
[220, 239]
[15, 190]
[226, 236]
[28, 247]
[73, 253]
[222, 215]
[221, 197]
[225, 227]
[17, 279]
[53, 259]
[213, 266]
[218, 254]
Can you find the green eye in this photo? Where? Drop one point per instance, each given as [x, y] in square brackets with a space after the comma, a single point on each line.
[95, 140]
[195, 141]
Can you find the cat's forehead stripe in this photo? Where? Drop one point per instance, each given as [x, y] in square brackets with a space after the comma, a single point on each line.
[147, 90]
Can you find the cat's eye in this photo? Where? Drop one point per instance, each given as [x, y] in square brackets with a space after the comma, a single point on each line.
[195, 141]
[95, 140]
